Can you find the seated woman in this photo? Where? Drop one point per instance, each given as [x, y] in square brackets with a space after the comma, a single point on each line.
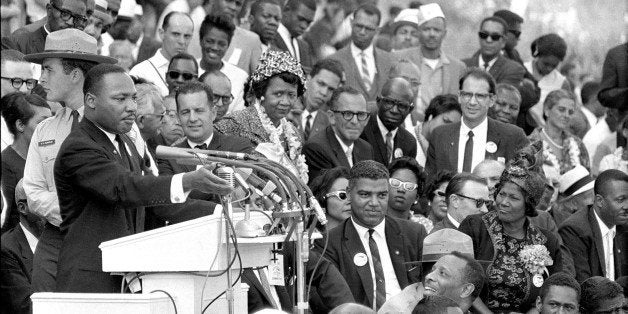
[561, 149]
[276, 84]
[405, 187]
[501, 235]
[330, 190]
[443, 109]
[619, 158]
[435, 193]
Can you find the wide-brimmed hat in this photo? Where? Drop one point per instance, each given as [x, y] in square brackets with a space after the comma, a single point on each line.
[70, 43]
[406, 17]
[100, 12]
[430, 11]
[445, 241]
[575, 181]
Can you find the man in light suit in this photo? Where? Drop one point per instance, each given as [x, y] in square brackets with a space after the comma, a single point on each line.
[463, 145]
[340, 144]
[371, 249]
[296, 18]
[366, 66]
[389, 141]
[596, 236]
[325, 77]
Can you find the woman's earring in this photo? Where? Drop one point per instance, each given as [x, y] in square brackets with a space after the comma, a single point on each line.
[261, 98]
[416, 202]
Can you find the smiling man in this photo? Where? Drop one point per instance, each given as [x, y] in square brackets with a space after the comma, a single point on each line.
[370, 249]
[507, 104]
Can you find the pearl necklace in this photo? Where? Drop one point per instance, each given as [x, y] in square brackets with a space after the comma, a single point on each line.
[550, 139]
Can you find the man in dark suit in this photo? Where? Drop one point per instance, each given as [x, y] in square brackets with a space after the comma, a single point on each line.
[463, 195]
[463, 145]
[596, 236]
[101, 186]
[340, 143]
[370, 249]
[325, 77]
[366, 66]
[389, 141]
[489, 57]
[16, 261]
[296, 18]
[614, 86]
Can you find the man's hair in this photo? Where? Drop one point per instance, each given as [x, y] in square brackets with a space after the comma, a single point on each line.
[11, 55]
[479, 74]
[332, 65]
[338, 92]
[456, 184]
[562, 280]
[605, 179]
[193, 87]
[412, 165]
[472, 273]
[94, 76]
[391, 82]
[147, 96]
[505, 87]
[589, 89]
[183, 56]
[369, 9]
[118, 43]
[214, 72]
[293, 5]
[168, 16]
[554, 96]
[220, 21]
[71, 64]
[434, 304]
[257, 5]
[510, 17]
[597, 289]
[495, 19]
[442, 104]
[367, 169]
[399, 64]
[549, 45]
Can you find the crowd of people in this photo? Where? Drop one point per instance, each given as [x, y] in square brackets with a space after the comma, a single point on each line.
[485, 185]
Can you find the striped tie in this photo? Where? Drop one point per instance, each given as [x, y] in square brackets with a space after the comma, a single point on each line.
[366, 76]
[380, 280]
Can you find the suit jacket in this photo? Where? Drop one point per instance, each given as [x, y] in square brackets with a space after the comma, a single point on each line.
[442, 154]
[405, 244]
[245, 50]
[503, 70]
[322, 151]
[98, 198]
[320, 123]
[583, 238]
[16, 264]
[403, 141]
[383, 63]
[305, 51]
[444, 224]
[27, 39]
[614, 85]
[258, 299]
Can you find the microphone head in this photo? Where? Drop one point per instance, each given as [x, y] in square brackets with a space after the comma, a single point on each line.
[226, 173]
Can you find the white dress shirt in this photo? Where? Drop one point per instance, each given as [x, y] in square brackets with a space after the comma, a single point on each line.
[392, 285]
[304, 115]
[345, 149]
[291, 43]
[154, 70]
[479, 143]
[206, 142]
[453, 220]
[30, 238]
[490, 63]
[608, 235]
[370, 59]
[383, 130]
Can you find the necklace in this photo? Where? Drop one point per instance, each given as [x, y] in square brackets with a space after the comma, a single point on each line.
[550, 139]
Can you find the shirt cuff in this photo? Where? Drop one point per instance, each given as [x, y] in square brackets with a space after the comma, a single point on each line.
[177, 195]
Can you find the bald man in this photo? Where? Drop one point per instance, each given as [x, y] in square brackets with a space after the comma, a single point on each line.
[221, 86]
[490, 170]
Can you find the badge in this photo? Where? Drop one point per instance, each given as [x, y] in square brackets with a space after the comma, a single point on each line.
[45, 143]
[398, 153]
[491, 147]
[275, 271]
[537, 280]
[360, 259]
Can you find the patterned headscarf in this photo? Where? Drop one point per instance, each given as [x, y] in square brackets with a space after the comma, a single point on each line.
[530, 182]
[273, 62]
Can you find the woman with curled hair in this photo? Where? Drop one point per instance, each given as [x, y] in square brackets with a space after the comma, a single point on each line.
[435, 193]
[443, 109]
[561, 149]
[330, 190]
[405, 187]
[22, 112]
[501, 235]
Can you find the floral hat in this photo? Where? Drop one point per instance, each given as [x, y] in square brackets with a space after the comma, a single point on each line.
[274, 62]
[529, 181]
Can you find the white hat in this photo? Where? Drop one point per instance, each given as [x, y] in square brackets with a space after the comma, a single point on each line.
[406, 17]
[127, 8]
[430, 11]
[575, 181]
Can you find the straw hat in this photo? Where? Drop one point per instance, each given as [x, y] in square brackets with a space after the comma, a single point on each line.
[575, 181]
[445, 241]
[70, 43]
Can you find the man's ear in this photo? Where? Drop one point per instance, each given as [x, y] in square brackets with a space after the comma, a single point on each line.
[332, 117]
[90, 100]
[19, 125]
[467, 290]
[21, 207]
[140, 121]
[161, 33]
[539, 303]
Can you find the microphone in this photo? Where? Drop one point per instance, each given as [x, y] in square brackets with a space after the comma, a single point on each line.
[318, 210]
[267, 188]
[224, 154]
[168, 152]
[227, 174]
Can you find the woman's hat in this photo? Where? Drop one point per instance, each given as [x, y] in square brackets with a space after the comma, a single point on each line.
[70, 43]
[273, 62]
[575, 181]
[406, 17]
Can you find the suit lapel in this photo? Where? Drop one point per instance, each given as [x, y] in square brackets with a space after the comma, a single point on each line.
[355, 69]
[25, 249]
[597, 239]
[395, 242]
[352, 244]
[336, 148]
[188, 168]
[452, 140]
[492, 135]
[99, 137]
[497, 66]
[379, 144]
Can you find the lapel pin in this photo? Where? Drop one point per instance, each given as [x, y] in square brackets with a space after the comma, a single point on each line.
[360, 259]
[396, 252]
[491, 147]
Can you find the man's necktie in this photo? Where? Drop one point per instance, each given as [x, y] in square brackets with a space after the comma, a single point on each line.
[349, 154]
[366, 76]
[266, 285]
[389, 146]
[380, 280]
[468, 154]
[486, 65]
[202, 146]
[295, 54]
[308, 126]
[124, 154]
[75, 120]
[135, 216]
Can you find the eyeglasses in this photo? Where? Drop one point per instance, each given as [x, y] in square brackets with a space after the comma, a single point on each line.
[161, 116]
[226, 100]
[480, 97]
[174, 75]
[67, 14]
[515, 32]
[494, 36]
[341, 195]
[406, 186]
[348, 115]
[17, 82]
[389, 103]
[478, 201]
[171, 113]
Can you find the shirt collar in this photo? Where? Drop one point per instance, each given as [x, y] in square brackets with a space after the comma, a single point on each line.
[604, 229]
[284, 33]
[385, 130]
[342, 144]
[355, 51]
[206, 142]
[453, 221]
[66, 112]
[159, 60]
[490, 63]
[481, 128]
[46, 29]
[30, 238]
[110, 136]
[363, 231]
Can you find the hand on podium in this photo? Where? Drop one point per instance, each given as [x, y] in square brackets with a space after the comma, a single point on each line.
[204, 180]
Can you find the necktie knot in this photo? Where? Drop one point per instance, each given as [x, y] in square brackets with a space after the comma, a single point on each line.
[75, 119]
[470, 133]
[371, 232]
[202, 146]
[486, 65]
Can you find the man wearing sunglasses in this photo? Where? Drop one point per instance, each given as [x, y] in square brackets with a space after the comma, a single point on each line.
[340, 143]
[183, 68]
[389, 141]
[466, 194]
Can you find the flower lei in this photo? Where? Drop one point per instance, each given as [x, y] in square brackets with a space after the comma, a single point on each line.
[571, 155]
[535, 259]
[298, 165]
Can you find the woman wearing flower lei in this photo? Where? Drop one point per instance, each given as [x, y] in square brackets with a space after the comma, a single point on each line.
[561, 149]
[276, 84]
[520, 255]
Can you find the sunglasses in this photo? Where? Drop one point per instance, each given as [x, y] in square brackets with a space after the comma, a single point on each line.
[494, 36]
[174, 75]
[226, 100]
[406, 186]
[67, 14]
[389, 103]
[341, 195]
[348, 115]
[478, 201]
[480, 97]
[17, 82]
[515, 32]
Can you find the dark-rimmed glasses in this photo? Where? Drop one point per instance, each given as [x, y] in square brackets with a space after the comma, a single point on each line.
[348, 115]
[17, 82]
[174, 75]
[341, 195]
[406, 186]
[515, 32]
[389, 103]
[478, 201]
[494, 36]
[480, 97]
[226, 100]
[67, 14]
